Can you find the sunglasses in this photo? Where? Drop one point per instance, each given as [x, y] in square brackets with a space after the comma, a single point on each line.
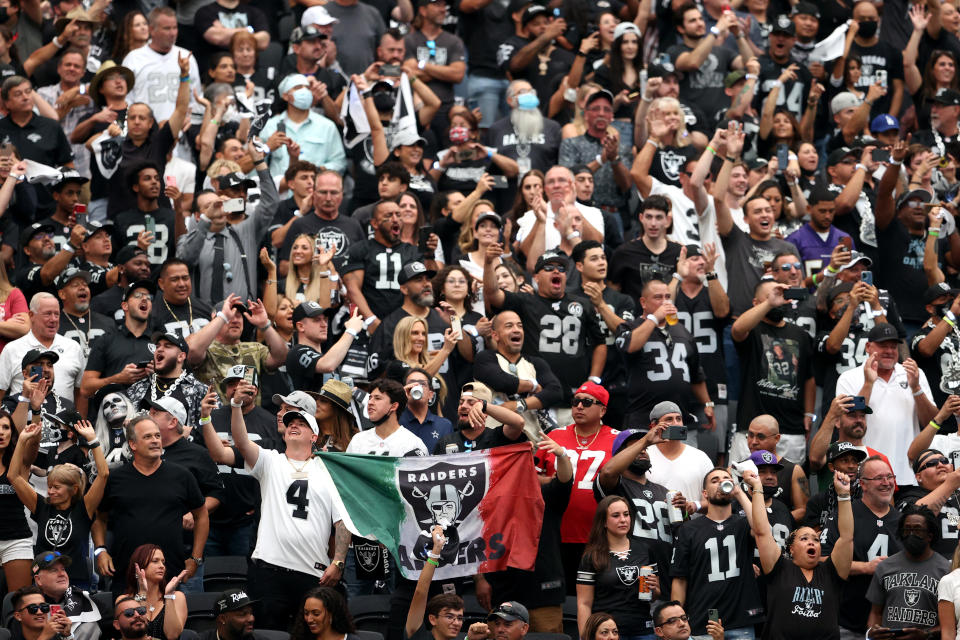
[586, 402]
[32, 609]
[787, 266]
[134, 611]
[554, 267]
[50, 556]
[933, 462]
[676, 619]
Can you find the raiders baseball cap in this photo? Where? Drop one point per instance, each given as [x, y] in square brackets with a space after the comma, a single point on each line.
[299, 399]
[838, 449]
[234, 180]
[855, 258]
[307, 309]
[489, 215]
[93, 226]
[139, 284]
[69, 274]
[917, 194]
[765, 459]
[413, 270]
[946, 97]
[237, 372]
[804, 8]
[624, 437]
[783, 24]
[555, 257]
[883, 332]
[173, 338]
[938, 290]
[172, 406]
[510, 611]
[129, 252]
[231, 600]
[289, 416]
[36, 354]
[36, 228]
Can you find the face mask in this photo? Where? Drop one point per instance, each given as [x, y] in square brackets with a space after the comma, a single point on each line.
[915, 545]
[384, 101]
[639, 467]
[868, 28]
[459, 135]
[528, 101]
[771, 492]
[302, 98]
[775, 315]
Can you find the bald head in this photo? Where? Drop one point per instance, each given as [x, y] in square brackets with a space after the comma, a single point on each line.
[763, 434]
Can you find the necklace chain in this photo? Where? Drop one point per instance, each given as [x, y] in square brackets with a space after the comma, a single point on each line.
[580, 444]
[170, 389]
[84, 335]
[189, 311]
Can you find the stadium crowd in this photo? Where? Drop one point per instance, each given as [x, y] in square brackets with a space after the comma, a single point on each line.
[701, 257]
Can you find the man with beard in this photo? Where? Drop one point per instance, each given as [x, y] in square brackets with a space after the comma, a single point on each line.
[776, 370]
[524, 384]
[82, 325]
[169, 378]
[176, 309]
[525, 134]
[234, 617]
[935, 345]
[604, 152]
[625, 474]
[37, 243]
[902, 592]
[40, 397]
[898, 394]
[418, 301]
[774, 61]
[712, 564]
[306, 363]
[130, 618]
[481, 424]
[847, 421]
[563, 327]
[132, 266]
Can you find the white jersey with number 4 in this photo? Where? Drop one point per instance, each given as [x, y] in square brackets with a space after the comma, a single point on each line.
[297, 512]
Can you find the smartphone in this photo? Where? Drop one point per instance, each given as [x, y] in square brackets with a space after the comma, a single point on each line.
[867, 276]
[80, 213]
[500, 240]
[36, 370]
[795, 293]
[234, 205]
[633, 95]
[846, 242]
[319, 245]
[149, 224]
[675, 432]
[143, 364]
[171, 181]
[713, 614]
[248, 375]
[55, 609]
[351, 309]
[242, 308]
[556, 12]
[423, 237]
[282, 127]
[783, 157]
[881, 77]
[859, 403]
[457, 327]
[391, 70]
[880, 155]
[499, 182]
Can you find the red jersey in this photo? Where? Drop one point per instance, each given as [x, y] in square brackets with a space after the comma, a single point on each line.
[587, 455]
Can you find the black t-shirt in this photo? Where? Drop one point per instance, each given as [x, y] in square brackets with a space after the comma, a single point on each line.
[65, 531]
[793, 94]
[489, 438]
[541, 152]
[775, 364]
[881, 56]
[901, 270]
[563, 332]
[615, 371]
[633, 264]
[240, 17]
[341, 231]
[669, 161]
[615, 588]
[664, 369]
[716, 558]
[544, 81]
[85, 329]
[27, 279]
[948, 518]
[196, 459]
[484, 33]
[941, 359]
[872, 537]
[302, 367]
[13, 523]
[381, 266]
[800, 609]
[119, 196]
[131, 222]
[696, 314]
[134, 520]
[803, 314]
[705, 85]
[182, 319]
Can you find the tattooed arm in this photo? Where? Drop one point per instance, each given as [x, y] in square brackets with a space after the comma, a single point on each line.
[939, 496]
[333, 573]
[800, 492]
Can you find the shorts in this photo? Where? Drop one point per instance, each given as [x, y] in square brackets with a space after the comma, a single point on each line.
[17, 549]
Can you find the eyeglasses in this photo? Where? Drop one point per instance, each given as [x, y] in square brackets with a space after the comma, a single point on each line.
[913, 203]
[885, 478]
[756, 436]
[586, 402]
[32, 609]
[787, 266]
[134, 611]
[449, 617]
[43, 236]
[559, 268]
[933, 462]
[676, 619]
[140, 294]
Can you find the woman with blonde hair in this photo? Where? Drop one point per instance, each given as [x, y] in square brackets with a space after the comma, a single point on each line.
[67, 499]
[578, 126]
[309, 275]
[476, 237]
[948, 599]
[411, 350]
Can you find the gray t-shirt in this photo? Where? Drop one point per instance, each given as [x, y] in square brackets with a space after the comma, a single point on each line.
[907, 590]
[357, 36]
[746, 258]
[446, 49]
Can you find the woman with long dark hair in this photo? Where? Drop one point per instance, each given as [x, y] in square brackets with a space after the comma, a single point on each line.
[134, 32]
[148, 583]
[620, 74]
[611, 553]
[323, 616]
[15, 538]
[336, 422]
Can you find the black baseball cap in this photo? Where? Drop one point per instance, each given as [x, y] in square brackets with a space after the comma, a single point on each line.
[917, 194]
[837, 155]
[231, 600]
[36, 228]
[938, 290]
[838, 449]
[783, 24]
[129, 252]
[510, 611]
[550, 256]
[93, 226]
[883, 332]
[532, 12]
[48, 559]
[173, 338]
[36, 354]
[307, 309]
[596, 95]
[947, 97]
[235, 180]
[804, 8]
[69, 274]
[139, 284]
[413, 270]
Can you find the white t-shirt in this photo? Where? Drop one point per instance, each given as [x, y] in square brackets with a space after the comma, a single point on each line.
[949, 590]
[185, 173]
[894, 423]
[297, 512]
[552, 240]
[399, 444]
[158, 79]
[684, 473]
[67, 371]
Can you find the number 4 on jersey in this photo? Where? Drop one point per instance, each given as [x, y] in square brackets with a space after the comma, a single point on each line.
[297, 496]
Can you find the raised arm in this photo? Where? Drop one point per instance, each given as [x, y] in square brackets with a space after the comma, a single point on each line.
[418, 604]
[180, 112]
[491, 292]
[842, 554]
[767, 547]
[920, 17]
[19, 472]
[94, 494]
[238, 427]
[201, 340]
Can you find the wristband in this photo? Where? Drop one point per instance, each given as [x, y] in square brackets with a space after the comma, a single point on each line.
[859, 166]
[933, 233]
[949, 314]
[812, 416]
[581, 53]
[950, 322]
[710, 404]
[98, 551]
[521, 405]
[711, 150]
[831, 270]
[170, 596]
[22, 398]
[646, 99]
[491, 152]
[237, 405]
[918, 393]
[369, 320]
[334, 277]
[266, 328]
[843, 498]
[483, 405]
[204, 421]
[677, 277]
[896, 163]
[214, 121]
[934, 425]
[595, 379]
[655, 144]
[184, 78]
[777, 84]
[351, 332]
[431, 554]
[57, 43]
[324, 274]
[732, 159]
[714, 30]
[273, 282]
[652, 318]
[813, 279]
[751, 76]
[712, 275]
[433, 562]
[598, 159]
[223, 316]
[91, 445]
[69, 247]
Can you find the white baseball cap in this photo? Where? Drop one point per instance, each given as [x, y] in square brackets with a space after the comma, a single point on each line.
[317, 15]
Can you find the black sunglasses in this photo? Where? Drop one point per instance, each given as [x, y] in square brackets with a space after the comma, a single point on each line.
[586, 402]
[133, 611]
[32, 609]
[550, 267]
[933, 462]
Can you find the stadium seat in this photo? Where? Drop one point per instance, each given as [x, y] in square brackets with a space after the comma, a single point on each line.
[547, 636]
[570, 617]
[270, 634]
[371, 613]
[472, 611]
[224, 572]
[6, 612]
[370, 635]
[200, 615]
[4, 634]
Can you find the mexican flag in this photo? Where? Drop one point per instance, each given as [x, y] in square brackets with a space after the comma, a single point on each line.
[488, 501]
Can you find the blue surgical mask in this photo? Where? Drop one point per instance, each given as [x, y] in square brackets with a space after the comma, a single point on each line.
[528, 101]
[302, 98]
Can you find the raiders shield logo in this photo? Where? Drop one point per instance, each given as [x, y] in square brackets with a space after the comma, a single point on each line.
[911, 596]
[368, 555]
[57, 530]
[628, 575]
[647, 494]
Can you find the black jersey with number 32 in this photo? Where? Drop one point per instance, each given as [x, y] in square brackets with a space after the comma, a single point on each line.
[381, 266]
[716, 558]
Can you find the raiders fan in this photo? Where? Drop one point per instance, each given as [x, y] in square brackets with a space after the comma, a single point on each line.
[77, 321]
[170, 378]
[781, 520]
[305, 363]
[936, 347]
[938, 483]
[560, 327]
